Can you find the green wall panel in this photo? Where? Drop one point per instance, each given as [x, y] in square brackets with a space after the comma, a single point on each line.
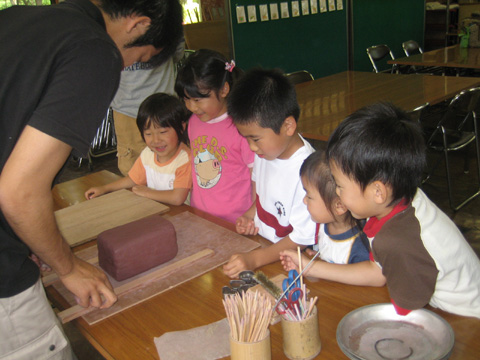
[315, 42]
[389, 22]
[318, 42]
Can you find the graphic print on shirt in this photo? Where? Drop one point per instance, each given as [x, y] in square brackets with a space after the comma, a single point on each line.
[207, 157]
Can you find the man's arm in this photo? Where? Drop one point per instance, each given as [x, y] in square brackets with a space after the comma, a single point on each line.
[27, 203]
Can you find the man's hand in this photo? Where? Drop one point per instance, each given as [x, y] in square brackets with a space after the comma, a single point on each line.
[90, 285]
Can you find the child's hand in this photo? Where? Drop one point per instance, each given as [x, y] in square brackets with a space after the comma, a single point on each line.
[289, 259]
[94, 192]
[141, 190]
[246, 226]
[310, 252]
[236, 264]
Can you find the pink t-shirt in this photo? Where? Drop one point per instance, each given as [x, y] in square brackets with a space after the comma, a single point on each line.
[221, 162]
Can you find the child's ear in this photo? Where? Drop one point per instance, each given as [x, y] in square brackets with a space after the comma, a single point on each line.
[339, 208]
[225, 90]
[380, 192]
[289, 126]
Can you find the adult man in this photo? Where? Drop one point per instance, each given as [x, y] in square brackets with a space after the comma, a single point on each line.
[59, 69]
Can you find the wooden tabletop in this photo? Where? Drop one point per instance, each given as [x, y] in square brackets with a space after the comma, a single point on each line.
[451, 56]
[326, 101]
[130, 334]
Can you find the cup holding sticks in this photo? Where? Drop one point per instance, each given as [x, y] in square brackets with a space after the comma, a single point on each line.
[301, 337]
[249, 316]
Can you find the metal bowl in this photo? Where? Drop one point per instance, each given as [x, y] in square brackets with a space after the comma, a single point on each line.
[377, 332]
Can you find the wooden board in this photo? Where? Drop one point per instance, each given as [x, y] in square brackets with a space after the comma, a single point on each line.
[82, 222]
[77, 310]
[194, 234]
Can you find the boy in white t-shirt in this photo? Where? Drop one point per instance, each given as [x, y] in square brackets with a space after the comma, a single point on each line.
[264, 108]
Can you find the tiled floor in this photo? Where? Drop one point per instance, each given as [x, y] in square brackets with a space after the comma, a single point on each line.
[467, 219]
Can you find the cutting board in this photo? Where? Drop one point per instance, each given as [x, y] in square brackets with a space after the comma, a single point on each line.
[194, 234]
[82, 222]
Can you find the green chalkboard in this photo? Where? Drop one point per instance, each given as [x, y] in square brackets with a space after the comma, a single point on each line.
[313, 42]
[318, 42]
[389, 22]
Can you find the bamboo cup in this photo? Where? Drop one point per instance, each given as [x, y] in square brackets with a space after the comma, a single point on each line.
[301, 339]
[260, 350]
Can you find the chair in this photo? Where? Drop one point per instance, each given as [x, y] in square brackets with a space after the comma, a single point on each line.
[411, 47]
[418, 113]
[181, 62]
[299, 77]
[104, 142]
[378, 54]
[457, 129]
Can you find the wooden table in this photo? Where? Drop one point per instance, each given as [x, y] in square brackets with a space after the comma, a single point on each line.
[129, 334]
[326, 101]
[451, 57]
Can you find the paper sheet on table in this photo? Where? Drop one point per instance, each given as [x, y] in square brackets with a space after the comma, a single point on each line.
[207, 342]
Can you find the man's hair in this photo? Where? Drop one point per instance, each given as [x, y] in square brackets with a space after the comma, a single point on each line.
[163, 110]
[165, 31]
[265, 97]
[380, 143]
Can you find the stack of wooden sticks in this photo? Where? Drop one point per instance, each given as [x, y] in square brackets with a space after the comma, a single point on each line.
[248, 315]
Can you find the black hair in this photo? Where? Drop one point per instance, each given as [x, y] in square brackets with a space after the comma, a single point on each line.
[204, 71]
[316, 172]
[380, 143]
[265, 97]
[165, 31]
[163, 110]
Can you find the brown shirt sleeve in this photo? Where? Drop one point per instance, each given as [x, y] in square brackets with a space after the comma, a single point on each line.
[410, 271]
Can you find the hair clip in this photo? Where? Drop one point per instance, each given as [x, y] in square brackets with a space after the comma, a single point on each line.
[230, 65]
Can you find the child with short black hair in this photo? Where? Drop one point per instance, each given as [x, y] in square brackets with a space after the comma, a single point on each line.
[264, 108]
[162, 171]
[221, 158]
[377, 156]
[340, 239]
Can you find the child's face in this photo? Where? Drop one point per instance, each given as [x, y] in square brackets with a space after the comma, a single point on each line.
[264, 141]
[315, 204]
[208, 108]
[163, 141]
[351, 194]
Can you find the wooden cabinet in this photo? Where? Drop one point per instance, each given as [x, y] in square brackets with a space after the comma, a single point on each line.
[436, 33]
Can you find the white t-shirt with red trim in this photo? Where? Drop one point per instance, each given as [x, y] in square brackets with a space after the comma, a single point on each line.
[280, 208]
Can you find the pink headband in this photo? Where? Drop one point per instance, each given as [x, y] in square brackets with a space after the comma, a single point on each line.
[230, 65]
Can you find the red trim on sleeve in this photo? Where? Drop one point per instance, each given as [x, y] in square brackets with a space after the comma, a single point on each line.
[400, 310]
[270, 220]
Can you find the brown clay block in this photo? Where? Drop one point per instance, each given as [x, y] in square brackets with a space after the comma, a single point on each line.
[133, 248]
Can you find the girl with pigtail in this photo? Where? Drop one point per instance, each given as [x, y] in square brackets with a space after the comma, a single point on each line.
[221, 157]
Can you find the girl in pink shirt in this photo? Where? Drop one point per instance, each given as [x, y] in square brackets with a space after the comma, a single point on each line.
[221, 157]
